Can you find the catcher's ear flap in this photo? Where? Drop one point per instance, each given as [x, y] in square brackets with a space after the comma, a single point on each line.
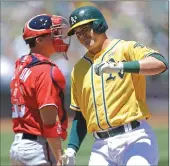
[99, 26]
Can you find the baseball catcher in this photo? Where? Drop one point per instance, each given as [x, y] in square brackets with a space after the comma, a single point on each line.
[37, 94]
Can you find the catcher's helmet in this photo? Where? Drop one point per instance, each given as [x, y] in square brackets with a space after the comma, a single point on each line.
[36, 26]
[87, 14]
[42, 24]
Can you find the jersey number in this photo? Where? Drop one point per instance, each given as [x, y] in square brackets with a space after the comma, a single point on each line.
[111, 77]
[18, 111]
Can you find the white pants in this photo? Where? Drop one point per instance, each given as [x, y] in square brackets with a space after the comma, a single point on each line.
[30, 152]
[137, 147]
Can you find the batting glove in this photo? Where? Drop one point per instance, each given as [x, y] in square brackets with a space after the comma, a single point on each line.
[69, 157]
[108, 67]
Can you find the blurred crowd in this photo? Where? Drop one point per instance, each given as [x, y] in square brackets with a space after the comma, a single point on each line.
[142, 21]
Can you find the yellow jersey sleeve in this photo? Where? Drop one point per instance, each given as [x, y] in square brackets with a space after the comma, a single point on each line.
[136, 51]
[74, 102]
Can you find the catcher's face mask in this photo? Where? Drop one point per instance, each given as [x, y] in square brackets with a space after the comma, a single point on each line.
[59, 30]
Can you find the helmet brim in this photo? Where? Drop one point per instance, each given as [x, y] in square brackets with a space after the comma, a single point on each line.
[71, 30]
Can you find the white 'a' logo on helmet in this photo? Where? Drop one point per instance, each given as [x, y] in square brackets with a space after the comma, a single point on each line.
[73, 19]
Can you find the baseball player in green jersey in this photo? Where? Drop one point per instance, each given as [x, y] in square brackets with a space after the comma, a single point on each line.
[108, 93]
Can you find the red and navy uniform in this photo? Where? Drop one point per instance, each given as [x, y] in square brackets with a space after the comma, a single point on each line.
[37, 82]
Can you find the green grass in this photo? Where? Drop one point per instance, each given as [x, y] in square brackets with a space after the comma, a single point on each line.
[84, 152]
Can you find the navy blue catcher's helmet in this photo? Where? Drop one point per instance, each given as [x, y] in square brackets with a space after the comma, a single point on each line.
[45, 24]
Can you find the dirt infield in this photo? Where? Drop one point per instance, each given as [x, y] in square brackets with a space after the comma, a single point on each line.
[157, 120]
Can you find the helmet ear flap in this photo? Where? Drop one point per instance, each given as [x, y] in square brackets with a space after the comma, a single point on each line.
[99, 26]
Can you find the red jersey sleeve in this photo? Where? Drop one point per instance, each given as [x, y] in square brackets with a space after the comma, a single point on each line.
[46, 92]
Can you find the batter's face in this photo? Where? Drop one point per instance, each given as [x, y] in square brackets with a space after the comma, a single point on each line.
[86, 36]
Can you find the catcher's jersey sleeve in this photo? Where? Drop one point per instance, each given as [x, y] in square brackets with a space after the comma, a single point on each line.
[136, 51]
[74, 102]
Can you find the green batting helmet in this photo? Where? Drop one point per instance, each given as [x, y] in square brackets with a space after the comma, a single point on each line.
[87, 14]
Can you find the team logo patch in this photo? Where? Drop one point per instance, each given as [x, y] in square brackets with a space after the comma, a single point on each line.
[73, 20]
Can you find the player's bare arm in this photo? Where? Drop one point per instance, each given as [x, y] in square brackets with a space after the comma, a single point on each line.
[50, 120]
[138, 59]
[151, 66]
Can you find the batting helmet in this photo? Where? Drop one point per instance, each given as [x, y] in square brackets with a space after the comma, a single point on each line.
[43, 24]
[87, 14]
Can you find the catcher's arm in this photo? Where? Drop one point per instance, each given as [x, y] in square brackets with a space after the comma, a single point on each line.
[50, 128]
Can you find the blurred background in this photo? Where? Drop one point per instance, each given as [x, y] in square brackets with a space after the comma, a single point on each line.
[143, 21]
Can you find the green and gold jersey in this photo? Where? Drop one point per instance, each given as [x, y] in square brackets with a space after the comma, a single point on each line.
[111, 99]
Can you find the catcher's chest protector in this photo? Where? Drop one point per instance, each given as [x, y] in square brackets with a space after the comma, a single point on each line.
[28, 61]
